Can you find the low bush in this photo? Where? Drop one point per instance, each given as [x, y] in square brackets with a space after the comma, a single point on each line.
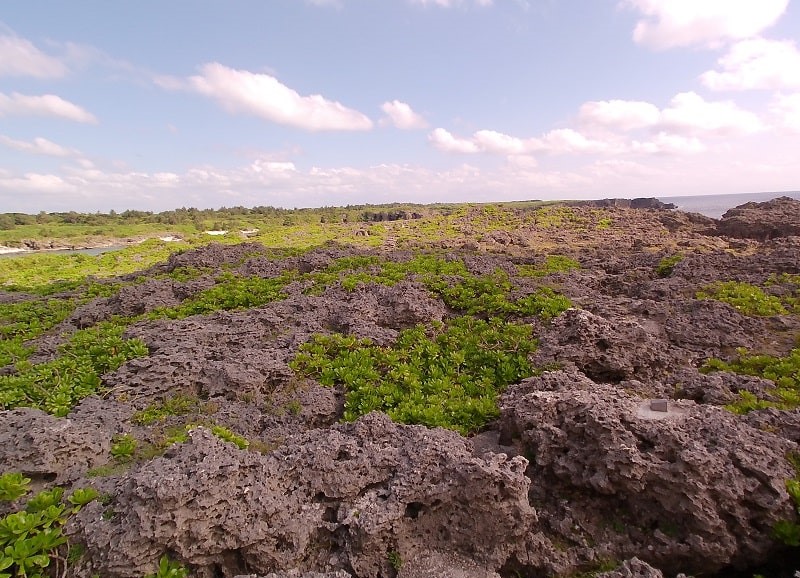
[666, 266]
[56, 386]
[783, 371]
[748, 299]
[32, 538]
[449, 376]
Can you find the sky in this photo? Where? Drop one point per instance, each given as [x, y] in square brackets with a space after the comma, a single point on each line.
[155, 105]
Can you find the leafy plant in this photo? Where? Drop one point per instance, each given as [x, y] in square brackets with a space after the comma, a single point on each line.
[783, 371]
[449, 376]
[667, 265]
[55, 386]
[30, 538]
[169, 569]
[748, 299]
[13, 485]
[123, 447]
[230, 292]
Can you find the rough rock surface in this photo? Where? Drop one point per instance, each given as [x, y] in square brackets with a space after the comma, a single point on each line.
[576, 473]
[49, 449]
[694, 484]
[332, 499]
[769, 220]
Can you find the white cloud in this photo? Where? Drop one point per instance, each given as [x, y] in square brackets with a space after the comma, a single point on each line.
[567, 140]
[690, 114]
[262, 95]
[45, 105]
[756, 63]
[622, 115]
[665, 143]
[497, 142]
[673, 23]
[400, 115]
[786, 109]
[19, 57]
[445, 141]
[450, 3]
[38, 146]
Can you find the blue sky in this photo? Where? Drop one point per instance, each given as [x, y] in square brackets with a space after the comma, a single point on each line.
[294, 103]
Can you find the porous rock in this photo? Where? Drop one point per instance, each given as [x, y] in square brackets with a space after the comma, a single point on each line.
[50, 449]
[775, 218]
[602, 349]
[330, 499]
[699, 487]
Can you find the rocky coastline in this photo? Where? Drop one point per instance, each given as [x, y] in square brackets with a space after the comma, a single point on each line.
[620, 456]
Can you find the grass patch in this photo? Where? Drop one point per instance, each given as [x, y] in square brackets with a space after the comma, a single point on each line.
[667, 265]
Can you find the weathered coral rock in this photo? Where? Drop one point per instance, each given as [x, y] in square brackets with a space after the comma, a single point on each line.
[776, 218]
[604, 350]
[50, 449]
[342, 498]
[633, 568]
[698, 488]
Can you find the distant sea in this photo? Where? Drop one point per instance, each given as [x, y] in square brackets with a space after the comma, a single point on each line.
[716, 205]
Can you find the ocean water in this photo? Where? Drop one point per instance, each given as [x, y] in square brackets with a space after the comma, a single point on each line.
[716, 205]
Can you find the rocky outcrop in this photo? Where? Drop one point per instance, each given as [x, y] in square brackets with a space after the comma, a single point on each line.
[346, 498]
[762, 221]
[48, 449]
[693, 487]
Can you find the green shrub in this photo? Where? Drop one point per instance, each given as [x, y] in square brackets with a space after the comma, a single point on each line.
[13, 485]
[748, 299]
[230, 292]
[667, 265]
[56, 386]
[783, 371]
[449, 376]
[31, 538]
[169, 569]
[227, 435]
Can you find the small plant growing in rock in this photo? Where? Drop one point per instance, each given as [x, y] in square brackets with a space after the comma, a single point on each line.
[395, 560]
[13, 485]
[123, 447]
[666, 266]
[169, 569]
[227, 435]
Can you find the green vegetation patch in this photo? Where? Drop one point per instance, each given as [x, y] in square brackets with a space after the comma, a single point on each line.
[26, 320]
[748, 299]
[230, 292]
[783, 371]
[448, 376]
[56, 386]
[450, 280]
[32, 537]
[667, 265]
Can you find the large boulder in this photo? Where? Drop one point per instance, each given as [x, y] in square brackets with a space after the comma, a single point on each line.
[694, 488]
